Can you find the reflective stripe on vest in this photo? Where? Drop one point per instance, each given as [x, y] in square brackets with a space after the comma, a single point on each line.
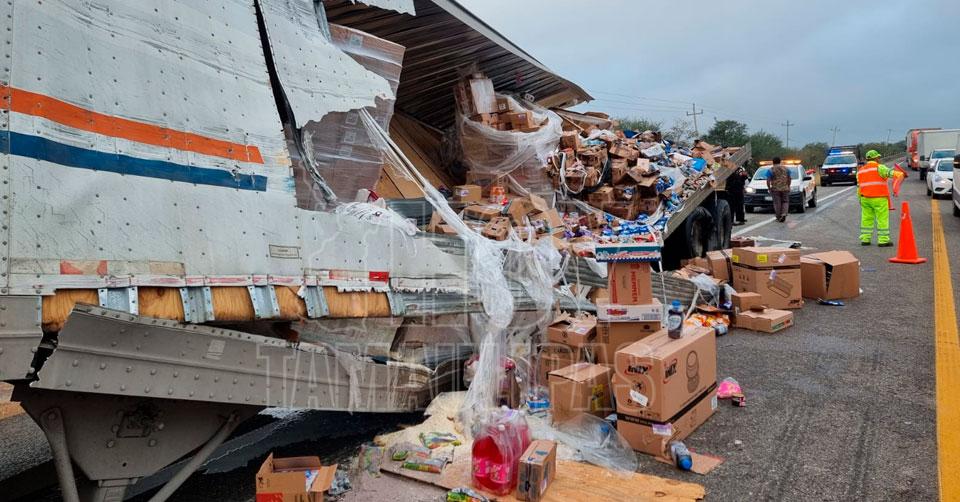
[870, 182]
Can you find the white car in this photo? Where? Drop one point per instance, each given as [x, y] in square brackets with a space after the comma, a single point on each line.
[940, 177]
[803, 189]
[956, 190]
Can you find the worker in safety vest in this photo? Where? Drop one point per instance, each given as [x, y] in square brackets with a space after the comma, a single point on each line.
[872, 187]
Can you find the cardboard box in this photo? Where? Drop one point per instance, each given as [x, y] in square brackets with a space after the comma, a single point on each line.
[624, 151]
[779, 288]
[653, 437]
[648, 205]
[571, 331]
[743, 301]
[658, 376]
[294, 479]
[554, 356]
[467, 193]
[767, 321]
[613, 336]
[570, 139]
[721, 264]
[579, 388]
[630, 283]
[613, 312]
[538, 467]
[766, 257]
[623, 210]
[742, 242]
[503, 105]
[831, 275]
[497, 229]
[485, 212]
[547, 221]
[618, 170]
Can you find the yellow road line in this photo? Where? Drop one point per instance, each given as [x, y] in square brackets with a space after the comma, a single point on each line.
[948, 365]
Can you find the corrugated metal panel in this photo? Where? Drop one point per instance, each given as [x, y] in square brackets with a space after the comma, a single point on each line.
[317, 77]
[401, 6]
[442, 38]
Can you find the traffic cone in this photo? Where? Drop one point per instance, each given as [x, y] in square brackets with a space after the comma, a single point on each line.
[906, 246]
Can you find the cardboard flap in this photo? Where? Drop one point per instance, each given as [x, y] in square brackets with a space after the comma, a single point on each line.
[581, 372]
[832, 258]
[324, 478]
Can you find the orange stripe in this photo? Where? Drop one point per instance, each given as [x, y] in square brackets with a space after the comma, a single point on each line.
[38, 105]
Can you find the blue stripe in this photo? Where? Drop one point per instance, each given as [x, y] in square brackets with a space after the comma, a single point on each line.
[35, 147]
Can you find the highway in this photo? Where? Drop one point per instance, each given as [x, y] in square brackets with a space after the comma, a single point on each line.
[843, 406]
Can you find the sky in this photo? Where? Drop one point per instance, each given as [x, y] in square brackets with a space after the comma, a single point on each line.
[873, 69]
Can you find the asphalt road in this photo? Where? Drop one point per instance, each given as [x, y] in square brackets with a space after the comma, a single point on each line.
[840, 407]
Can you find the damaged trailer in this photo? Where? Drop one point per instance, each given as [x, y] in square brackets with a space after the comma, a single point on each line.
[166, 269]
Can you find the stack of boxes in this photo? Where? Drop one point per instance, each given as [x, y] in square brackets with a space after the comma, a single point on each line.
[665, 388]
[773, 277]
[631, 313]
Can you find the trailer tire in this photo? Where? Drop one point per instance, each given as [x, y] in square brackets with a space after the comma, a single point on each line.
[723, 225]
[697, 230]
[956, 210]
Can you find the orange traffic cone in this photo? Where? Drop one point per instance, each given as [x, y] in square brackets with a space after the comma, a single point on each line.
[907, 246]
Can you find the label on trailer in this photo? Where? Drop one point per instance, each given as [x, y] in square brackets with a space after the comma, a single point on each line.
[286, 252]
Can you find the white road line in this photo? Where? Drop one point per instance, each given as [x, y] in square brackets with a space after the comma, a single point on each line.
[771, 220]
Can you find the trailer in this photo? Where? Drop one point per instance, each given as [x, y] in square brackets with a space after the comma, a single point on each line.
[929, 141]
[171, 264]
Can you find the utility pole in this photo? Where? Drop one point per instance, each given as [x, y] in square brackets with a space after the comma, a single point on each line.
[835, 130]
[787, 125]
[889, 132]
[696, 129]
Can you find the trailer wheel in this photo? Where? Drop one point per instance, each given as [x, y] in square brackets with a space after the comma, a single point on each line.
[723, 225]
[956, 210]
[697, 230]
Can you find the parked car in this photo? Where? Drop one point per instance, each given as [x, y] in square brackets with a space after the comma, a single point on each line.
[940, 178]
[956, 190]
[803, 189]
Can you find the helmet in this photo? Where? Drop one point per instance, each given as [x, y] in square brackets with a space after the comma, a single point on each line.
[873, 155]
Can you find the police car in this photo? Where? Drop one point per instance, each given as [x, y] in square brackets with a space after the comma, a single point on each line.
[803, 189]
[839, 166]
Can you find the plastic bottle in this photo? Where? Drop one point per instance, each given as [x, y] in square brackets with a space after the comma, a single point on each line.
[500, 440]
[675, 320]
[681, 455]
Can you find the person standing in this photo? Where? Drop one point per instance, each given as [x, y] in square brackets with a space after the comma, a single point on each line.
[736, 184]
[873, 191]
[778, 183]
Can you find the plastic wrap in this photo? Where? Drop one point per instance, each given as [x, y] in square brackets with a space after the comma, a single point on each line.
[487, 276]
[338, 145]
[500, 437]
[487, 151]
[595, 440]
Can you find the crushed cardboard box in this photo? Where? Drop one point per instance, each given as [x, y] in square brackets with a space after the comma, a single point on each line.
[831, 275]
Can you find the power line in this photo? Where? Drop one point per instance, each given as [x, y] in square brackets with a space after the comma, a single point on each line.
[835, 130]
[696, 129]
[788, 124]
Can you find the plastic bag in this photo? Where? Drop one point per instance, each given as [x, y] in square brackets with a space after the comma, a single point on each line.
[595, 439]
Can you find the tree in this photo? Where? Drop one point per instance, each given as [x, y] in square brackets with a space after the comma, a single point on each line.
[766, 146]
[681, 132]
[812, 154]
[727, 133]
[639, 124]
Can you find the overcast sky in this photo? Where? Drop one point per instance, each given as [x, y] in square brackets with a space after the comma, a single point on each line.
[863, 66]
